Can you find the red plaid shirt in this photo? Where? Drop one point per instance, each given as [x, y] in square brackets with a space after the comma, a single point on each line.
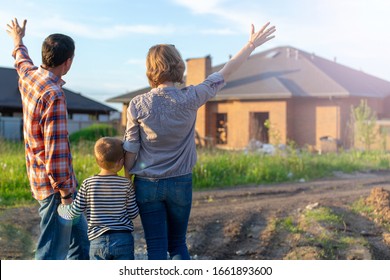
[48, 156]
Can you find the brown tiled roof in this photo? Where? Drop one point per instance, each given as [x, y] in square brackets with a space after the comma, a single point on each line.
[287, 72]
[77, 103]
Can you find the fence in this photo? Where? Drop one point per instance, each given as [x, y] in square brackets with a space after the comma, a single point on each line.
[11, 128]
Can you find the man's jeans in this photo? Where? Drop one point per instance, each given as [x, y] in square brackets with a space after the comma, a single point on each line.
[60, 238]
[164, 207]
[113, 246]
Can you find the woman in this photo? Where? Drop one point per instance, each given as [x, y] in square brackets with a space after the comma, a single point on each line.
[160, 136]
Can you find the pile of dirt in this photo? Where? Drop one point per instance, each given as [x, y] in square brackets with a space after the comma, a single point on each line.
[379, 200]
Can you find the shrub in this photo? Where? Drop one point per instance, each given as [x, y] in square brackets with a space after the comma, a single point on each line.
[93, 133]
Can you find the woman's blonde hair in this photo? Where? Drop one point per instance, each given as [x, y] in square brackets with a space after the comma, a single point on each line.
[164, 64]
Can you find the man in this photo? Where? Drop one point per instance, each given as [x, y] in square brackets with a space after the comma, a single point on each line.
[48, 156]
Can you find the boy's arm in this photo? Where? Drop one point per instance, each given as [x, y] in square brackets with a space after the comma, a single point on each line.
[76, 208]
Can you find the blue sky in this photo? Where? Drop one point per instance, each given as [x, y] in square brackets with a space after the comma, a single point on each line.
[113, 36]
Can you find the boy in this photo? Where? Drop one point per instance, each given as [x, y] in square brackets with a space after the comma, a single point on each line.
[109, 203]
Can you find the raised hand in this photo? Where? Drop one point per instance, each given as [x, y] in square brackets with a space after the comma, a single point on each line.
[16, 31]
[263, 35]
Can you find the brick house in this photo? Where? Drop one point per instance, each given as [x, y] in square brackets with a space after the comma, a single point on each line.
[303, 96]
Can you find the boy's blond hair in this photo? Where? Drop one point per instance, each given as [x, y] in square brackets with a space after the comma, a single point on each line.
[164, 64]
[108, 151]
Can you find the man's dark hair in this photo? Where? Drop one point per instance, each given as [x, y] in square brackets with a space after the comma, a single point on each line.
[56, 49]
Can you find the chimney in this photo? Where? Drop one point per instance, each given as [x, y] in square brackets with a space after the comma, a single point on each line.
[296, 54]
[197, 70]
[288, 53]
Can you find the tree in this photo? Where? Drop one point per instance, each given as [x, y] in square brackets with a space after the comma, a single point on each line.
[364, 124]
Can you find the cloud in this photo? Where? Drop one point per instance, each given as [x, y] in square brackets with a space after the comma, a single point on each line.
[102, 33]
[238, 15]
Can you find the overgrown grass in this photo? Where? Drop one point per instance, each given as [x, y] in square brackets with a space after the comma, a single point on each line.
[227, 168]
[14, 185]
[214, 168]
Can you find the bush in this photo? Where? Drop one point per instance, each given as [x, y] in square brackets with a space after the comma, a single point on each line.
[93, 133]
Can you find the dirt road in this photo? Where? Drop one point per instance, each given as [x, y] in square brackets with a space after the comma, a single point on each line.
[250, 222]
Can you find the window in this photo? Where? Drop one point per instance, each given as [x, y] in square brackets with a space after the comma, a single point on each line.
[221, 125]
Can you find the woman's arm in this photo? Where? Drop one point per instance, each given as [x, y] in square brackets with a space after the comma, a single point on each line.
[129, 162]
[256, 39]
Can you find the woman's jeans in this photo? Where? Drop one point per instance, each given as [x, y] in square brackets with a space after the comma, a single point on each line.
[164, 207]
[112, 245]
[60, 238]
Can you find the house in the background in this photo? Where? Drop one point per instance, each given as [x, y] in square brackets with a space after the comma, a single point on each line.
[82, 111]
[304, 97]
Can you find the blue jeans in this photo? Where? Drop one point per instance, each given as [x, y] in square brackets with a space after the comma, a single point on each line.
[60, 238]
[112, 246]
[164, 207]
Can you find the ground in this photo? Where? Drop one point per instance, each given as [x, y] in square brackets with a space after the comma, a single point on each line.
[346, 217]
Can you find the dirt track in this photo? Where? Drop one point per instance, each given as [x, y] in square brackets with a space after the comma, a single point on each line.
[239, 223]
[234, 224]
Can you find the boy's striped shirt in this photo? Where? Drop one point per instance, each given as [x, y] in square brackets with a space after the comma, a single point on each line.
[109, 203]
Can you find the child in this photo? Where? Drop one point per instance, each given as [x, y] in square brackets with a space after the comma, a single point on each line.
[109, 203]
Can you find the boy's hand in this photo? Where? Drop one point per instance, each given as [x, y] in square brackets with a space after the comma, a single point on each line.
[63, 211]
[16, 31]
[66, 201]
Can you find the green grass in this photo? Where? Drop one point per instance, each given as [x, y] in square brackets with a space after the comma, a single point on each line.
[323, 214]
[214, 169]
[227, 168]
[328, 239]
[92, 133]
[289, 225]
[360, 207]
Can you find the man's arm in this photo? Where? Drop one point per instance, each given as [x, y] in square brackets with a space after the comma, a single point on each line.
[23, 62]
[57, 148]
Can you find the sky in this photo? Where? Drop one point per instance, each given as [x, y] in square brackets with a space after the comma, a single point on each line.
[113, 36]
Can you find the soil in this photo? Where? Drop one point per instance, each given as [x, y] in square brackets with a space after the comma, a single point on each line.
[268, 222]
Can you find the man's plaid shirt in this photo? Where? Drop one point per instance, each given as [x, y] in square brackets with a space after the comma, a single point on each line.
[48, 156]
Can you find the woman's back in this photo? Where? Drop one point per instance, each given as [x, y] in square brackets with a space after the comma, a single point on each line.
[162, 122]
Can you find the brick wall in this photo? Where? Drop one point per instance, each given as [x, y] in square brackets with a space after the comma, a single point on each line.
[238, 119]
[197, 71]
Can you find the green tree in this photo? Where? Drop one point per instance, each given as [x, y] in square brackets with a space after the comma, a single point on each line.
[364, 124]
